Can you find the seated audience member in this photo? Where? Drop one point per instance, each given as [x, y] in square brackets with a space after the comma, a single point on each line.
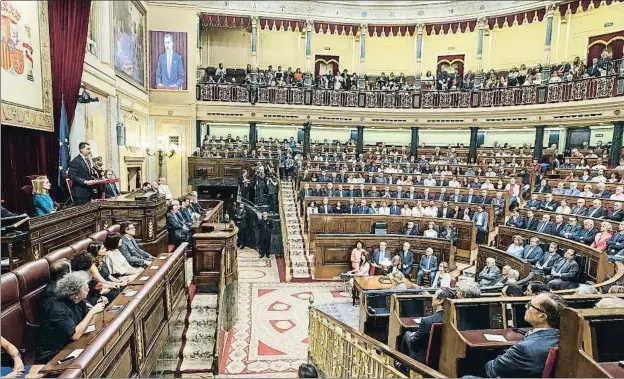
[502, 280]
[307, 370]
[445, 211]
[42, 202]
[597, 210]
[17, 370]
[616, 243]
[325, 208]
[67, 318]
[527, 357]
[363, 268]
[549, 204]
[163, 188]
[617, 214]
[415, 343]
[356, 255]
[312, 209]
[579, 209]
[382, 258]
[557, 226]
[398, 279]
[563, 275]
[109, 288]
[601, 191]
[185, 211]
[442, 277]
[563, 208]
[58, 269]
[411, 229]
[545, 264]
[178, 231]
[587, 234]
[490, 273]
[428, 266]
[534, 203]
[601, 239]
[513, 276]
[110, 189]
[129, 248]
[543, 187]
[516, 220]
[544, 225]
[430, 232]
[117, 264]
[517, 247]
[530, 223]
[571, 230]
[610, 302]
[535, 288]
[406, 259]
[395, 265]
[468, 290]
[512, 290]
[619, 194]
[532, 252]
[449, 233]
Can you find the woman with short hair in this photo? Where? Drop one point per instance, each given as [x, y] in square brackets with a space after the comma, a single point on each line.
[67, 318]
[517, 246]
[602, 237]
[442, 277]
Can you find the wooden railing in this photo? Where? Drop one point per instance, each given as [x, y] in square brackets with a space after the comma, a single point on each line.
[339, 351]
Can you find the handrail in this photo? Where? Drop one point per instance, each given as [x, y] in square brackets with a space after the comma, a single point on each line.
[339, 351]
[284, 227]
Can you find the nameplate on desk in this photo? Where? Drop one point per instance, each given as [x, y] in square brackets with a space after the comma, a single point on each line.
[130, 293]
[417, 320]
[207, 229]
[494, 337]
[154, 267]
[90, 328]
[144, 278]
[163, 257]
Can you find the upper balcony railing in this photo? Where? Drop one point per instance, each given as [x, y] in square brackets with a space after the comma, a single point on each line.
[582, 89]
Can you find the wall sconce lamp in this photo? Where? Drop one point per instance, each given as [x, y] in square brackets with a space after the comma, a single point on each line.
[161, 153]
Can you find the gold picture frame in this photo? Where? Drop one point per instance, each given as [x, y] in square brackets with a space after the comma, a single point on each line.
[117, 23]
[16, 111]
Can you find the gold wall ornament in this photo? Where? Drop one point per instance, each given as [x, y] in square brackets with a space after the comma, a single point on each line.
[168, 298]
[105, 224]
[150, 229]
[139, 342]
[35, 252]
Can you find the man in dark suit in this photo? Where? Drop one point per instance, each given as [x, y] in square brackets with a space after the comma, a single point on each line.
[597, 210]
[601, 192]
[442, 196]
[594, 69]
[373, 192]
[415, 344]
[265, 228]
[563, 275]
[381, 258]
[535, 203]
[587, 234]
[571, 230]
[394, 208]
[340, 192]
[407, 260]
[360, 192]
[129, 248]
[305, 192]
[543, 187]
[445, 211]
[490, 273]
[547, 261]
[549, 204]
[485, 199]
[544, 225]
[516, 220]
[527, 357]
[558, 225]
[531, 221]
[579, 209]
[428, 265]
[411, 229]
[412, 194]
[352, 208]
[470, 198]
[426, 195]
[449, 233]
[456, 196]
[532, 252]
[617, 214]
[399, 194]
[325, 208]
[616, 243]
[80, 172]
[110, 189]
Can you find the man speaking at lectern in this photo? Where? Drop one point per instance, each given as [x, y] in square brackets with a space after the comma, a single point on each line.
[80, 172]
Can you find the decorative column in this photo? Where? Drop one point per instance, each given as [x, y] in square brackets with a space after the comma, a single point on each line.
[359, 145]
[101, 24]
[307, 76]
[306, 138]
[361, 79]
[198, 44]
[415, 142]
[253, 135]
[479, 76]
[472, 156]
[419, 41]
[254, 42]
[198, 133]
[539, 142]
[616, 147]
[550, 12]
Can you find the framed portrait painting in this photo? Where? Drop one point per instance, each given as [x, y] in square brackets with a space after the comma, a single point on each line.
[26, 65]
[129, 41]
[168, 53]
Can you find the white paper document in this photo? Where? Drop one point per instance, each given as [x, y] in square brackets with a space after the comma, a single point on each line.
[154, 267]
[162, 257]
[417, 320]
[130, 293]
[75, 353]
[494, 337]
[144, 278]
[90, 328]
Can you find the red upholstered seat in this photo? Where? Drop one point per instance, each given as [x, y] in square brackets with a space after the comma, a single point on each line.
[81, 245]
[13, 322]
[434, 346]
[551, 363]
[114, 228]
[66, 252]
[32, 278]
[99, 236]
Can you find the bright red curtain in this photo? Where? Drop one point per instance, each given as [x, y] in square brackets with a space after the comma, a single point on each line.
[29, 152]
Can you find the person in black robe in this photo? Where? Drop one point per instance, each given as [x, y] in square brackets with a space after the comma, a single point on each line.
[265, 227]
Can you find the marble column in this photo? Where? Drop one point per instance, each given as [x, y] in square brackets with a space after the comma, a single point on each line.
[253, 135]
[359, 145]
[550, 12]
[361, 78]
[419, 42]
[472, 155]
[539, 142]
[306, 138]
[616, 147]
[101, 23]
[415, 141]
[481, 35]
[198, 44]
[308, 45]
[254, 42]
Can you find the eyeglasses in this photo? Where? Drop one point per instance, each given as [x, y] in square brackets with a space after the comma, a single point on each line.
[530, 305]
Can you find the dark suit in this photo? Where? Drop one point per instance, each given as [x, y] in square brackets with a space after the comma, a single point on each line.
[546, 262]
[325, 209]
[542, 189]
[306, 193]
[567, 271]
[616, 215]
[615, 244]
[427, 263]
[532, 255]
[579, 211]
[411, 232]
[594, 212]
[411, 195]
[531, 224]
[445, 235]
[534, 204]
[544, 227]
[381, 256]
[518, 222]
[265, 228]
[395, 210]
[603, 194]
[556, 229]
[470, 199]
[450, 213]
[415, 344]
[441, 197]
[550, 206]
[136, 256]
[489, 276]
[352, 209]
[178, 231]
[79, 172]
[407, 260]
[110, 190]
[526, 358]
[586, 236]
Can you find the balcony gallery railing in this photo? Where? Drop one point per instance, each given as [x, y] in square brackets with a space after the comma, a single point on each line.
[339, 351]
[582, 89]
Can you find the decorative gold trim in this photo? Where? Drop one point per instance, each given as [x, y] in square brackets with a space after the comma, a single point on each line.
[450, 63]
[139, 341]
[326, 62]
[18, 115]
[150, 229]
[606, 43]
[36, 252]
[122, 75]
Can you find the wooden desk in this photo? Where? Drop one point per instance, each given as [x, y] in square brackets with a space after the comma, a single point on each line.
[476, 338]
[207, 251]
[14, 248]
[613, 369]
[366, 283]
[402, 316]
